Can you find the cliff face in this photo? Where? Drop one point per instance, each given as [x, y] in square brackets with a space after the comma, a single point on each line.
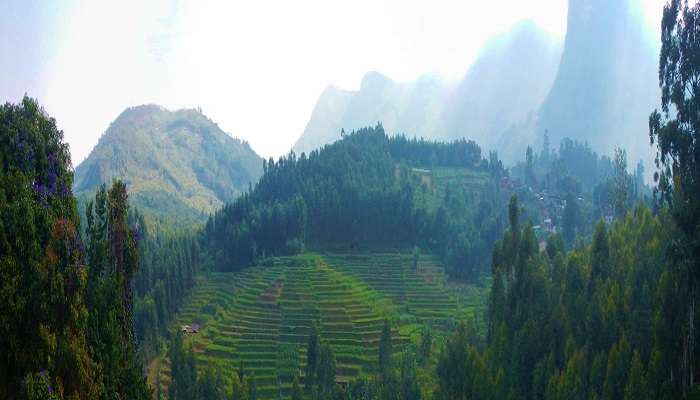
[505, 86]
[606, 84]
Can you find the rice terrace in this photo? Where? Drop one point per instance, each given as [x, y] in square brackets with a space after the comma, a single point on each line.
[260, 319]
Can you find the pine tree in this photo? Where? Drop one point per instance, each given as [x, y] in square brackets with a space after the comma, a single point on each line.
[296, 390]
[385, 349]
[312, 353]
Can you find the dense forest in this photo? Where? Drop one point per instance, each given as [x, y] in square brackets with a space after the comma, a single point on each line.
[361, 192]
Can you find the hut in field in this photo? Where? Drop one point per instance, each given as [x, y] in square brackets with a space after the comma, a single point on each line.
[190, 329]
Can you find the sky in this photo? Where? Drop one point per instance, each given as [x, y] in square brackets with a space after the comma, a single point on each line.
[256, 68]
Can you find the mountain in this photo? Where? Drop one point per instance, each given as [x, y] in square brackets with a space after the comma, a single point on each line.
[505, 85]
[599, 88]
[607, 83]
[178, 165]
[400, 107]
[481, 106]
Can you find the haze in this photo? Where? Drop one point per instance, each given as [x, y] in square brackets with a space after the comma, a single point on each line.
[256, 68]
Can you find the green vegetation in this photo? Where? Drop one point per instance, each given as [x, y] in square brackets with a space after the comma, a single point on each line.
[328, 279]
[367, 191]
[263, 318]
[178, 166]
[66, 326]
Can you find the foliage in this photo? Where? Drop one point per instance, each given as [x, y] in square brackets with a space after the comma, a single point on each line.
[363, 184]
[65, 327]
[592, 323]
[675, 131]
[168, 264]
[179, 166]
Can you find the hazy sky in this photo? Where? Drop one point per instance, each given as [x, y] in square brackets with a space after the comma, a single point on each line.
[255, 67]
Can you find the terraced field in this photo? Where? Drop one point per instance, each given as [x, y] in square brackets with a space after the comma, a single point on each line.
[261, 318]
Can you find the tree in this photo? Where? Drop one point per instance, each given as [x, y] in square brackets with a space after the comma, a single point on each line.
[452, 368]
[621, 183]
[408, 381]
[312, 353]
[676, 132]
[529, 167]
[546, 150]
[239, 388]
[636, 388]
[183, 370]
[416, 257]
[600, 254]
[570, 219]
[385, 348]
[43, 310]
[296, 390]
[426, 344]
[325, 374]
[210, 386]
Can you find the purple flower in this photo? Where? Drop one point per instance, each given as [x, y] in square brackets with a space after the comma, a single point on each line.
[52, 180]
[66, 191]
[137, 235]
[41, 193]
[81, 246]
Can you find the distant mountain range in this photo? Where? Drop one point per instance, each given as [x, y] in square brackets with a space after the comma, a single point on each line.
[599, 87]
[177, 164]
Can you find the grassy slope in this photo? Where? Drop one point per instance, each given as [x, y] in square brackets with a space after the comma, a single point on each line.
[261, 317]
[177, 164]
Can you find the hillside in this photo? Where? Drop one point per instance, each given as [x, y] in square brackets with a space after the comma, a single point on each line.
[178, 165]
[265, 326]
[383, 191]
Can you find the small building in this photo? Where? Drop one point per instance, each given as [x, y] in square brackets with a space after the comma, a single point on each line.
[190, 329]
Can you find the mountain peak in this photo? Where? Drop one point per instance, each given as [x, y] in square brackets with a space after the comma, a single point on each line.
[374, 80]
[176, 163]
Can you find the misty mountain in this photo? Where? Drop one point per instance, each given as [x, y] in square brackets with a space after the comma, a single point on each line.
[607, 83]
[599, 87]
[176, 164]
[505, 85]
[481, 106]
[400, 107]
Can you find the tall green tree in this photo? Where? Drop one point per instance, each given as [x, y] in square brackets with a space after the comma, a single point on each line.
[622, 183]
[676, 132]
[325, 374]
[65, 327]
[385, 348]
[296, 389]
[312, 354]
[570, 219]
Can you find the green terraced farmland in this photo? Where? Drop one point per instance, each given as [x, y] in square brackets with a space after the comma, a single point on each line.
[261, 318]
[420, 292]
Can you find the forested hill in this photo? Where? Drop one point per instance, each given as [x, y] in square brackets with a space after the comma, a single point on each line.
[367, 190]
[178, 165]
